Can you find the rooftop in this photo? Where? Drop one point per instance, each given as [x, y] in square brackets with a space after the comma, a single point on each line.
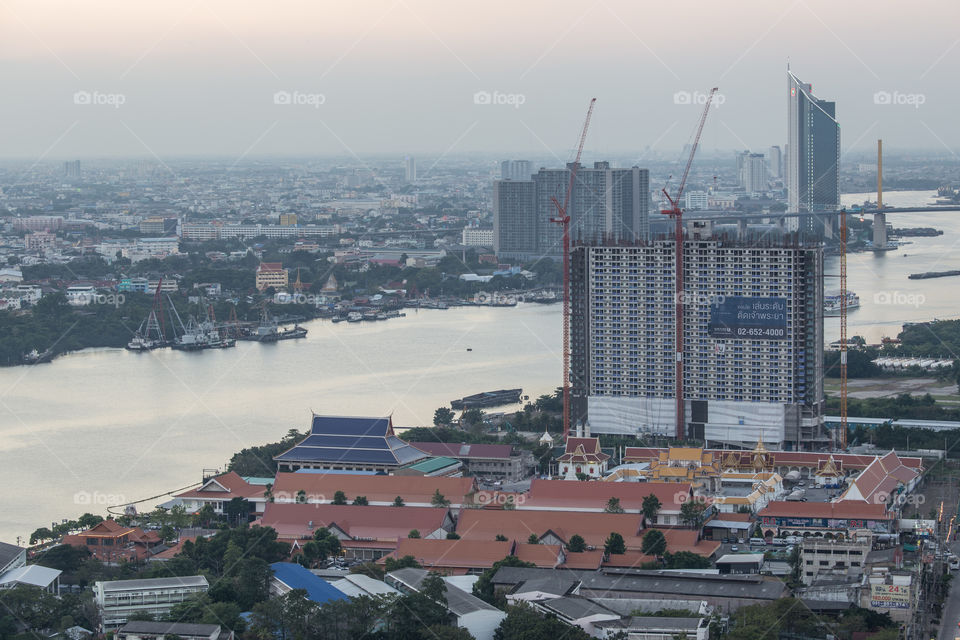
[352, 440]
[297, 577]
[149, 627]
[321, 487]
[463, 450]
[154, 583]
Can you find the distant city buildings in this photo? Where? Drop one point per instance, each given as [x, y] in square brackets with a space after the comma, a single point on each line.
[271, 274]
[753, 346]
[752, 172]
[477, 237]
[605, 203]
[71, 169]
[410, 169]
[775, 162]
[516, 170]
[287, 219]
[204, 231]
[813, 160]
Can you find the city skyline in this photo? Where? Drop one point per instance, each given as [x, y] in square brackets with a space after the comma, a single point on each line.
[243, 83]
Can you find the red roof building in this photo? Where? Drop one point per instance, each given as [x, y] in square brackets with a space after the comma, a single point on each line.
[365, 532]
[219, 490]
[593, 496]
[797, 518]
[111, 542]
[415, 491]
[582, 455]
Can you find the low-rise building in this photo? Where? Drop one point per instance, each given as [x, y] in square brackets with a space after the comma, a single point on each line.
[466, 610]
[150, 630]
[117, 600]
[217, 491]
[834, 559]
[288, 576]
[271, 274]
[415, 491]
[494, 461]
[111, 542]
[798, 518]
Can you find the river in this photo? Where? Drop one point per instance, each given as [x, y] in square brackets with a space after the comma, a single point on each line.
[107, 426]
[887, 297]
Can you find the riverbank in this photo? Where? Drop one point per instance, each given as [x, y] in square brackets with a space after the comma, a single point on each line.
[83, 428]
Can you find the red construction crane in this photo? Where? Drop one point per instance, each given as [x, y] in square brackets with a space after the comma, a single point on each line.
[563, 219]
[676, 213]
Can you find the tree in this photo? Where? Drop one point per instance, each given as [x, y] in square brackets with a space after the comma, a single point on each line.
[576, 544]
[443, 417]
[453, 535]
[692, 513]
[406, 562]
[614, 544]
[533, 539]
[613, 506]
[472, 417]
[684, 560]
[40, 535]
[654, 543]
[523, 623]
[361, 501]
[501, 538]
[238, 510]
[398, 502]
[327, 544]
[438, 499]
[339, 497]
[414, 533]
[582, 477]
[651, 507]
[483, 587]
[301, 497]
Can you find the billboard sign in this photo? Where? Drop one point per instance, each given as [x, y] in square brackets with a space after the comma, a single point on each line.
[749, 318]
[889, 596]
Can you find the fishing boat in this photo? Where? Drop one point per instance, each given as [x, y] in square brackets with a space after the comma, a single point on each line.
[488, 399]
[150, 334]
[832, 303]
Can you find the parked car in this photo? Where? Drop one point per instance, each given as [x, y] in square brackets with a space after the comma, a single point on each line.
[734, 548]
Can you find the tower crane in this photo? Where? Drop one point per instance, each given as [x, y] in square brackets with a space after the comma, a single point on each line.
[563, 219]
[676, 213]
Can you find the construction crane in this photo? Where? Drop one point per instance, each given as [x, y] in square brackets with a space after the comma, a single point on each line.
[563, 219]
[676, 213]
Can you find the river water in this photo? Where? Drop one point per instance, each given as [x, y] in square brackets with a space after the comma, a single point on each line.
[108, 426]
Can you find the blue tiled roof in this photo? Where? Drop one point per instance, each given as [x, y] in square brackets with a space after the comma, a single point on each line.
[347, 440]
[297, 577]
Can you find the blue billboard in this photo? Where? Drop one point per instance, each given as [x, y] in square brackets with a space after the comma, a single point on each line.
[749, 318]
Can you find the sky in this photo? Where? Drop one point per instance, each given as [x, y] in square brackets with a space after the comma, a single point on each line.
[243, 80]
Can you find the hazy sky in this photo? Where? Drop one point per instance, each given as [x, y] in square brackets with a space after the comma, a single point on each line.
[90, 79]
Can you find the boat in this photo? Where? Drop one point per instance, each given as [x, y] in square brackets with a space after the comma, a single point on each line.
[488, 399]
[198, 336]
[933, 274]
[369, 315]
[287, 334]
[35, 357]
[381, 316]
[150, 334]
[336, 319]
[832, 303]
[354, 316]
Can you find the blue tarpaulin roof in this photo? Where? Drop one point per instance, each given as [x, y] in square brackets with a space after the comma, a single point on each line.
[297, 577]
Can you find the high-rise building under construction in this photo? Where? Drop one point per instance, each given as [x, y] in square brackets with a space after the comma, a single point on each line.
[753, 339]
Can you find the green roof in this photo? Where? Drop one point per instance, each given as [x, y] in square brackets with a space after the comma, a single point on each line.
[256, 480]
[433, 464]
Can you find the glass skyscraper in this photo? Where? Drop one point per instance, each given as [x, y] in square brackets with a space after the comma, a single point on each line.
[813, 160]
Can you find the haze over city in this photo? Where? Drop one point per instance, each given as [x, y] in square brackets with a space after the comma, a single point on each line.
[199, 78]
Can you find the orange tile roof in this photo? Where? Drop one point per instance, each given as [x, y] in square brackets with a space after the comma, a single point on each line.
[484, 524]
[293, 520]
[848, 509]
[566, 494]
[322, 486]
[542, 555]
[584, 560]
[628, 560]
[236, 487]
[453, 554]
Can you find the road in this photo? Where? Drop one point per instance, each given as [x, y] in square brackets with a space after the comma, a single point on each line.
[951, 608]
